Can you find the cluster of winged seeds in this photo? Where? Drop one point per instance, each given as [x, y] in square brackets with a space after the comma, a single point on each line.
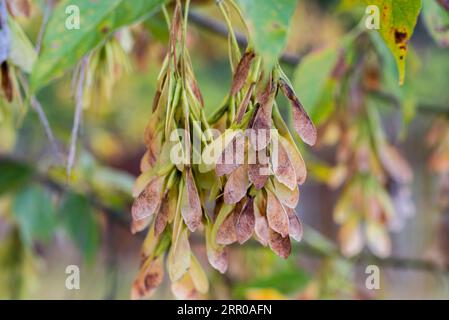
[232, 185]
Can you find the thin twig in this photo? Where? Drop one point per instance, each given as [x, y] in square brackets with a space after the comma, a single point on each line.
[48, 8]
[219, 28]
[37, 107]
[78, 115]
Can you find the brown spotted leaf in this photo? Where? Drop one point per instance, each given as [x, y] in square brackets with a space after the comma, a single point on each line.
[276, 215]
[242, 71]
[280, 245]
[149, 278]
[245, 221]
[236, 186]
[301, 120]
[191, 205]
[149, 200]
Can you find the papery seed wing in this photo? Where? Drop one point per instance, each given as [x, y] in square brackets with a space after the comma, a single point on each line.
[148, 202]
[289, 198]
[217, 255]
[232, 156]
[191, 205]
[301, 120]
[276, 215]
[245, 221]
[258, 173]
[296, 159]
[236, 186]
[148, 279]
[184, 289]
[261, 228]
[350, 237]
[213, 151]
[149, 244]
[242, 71]
[260, 135]
[283, 167]
[396, 166]
[377, 239]
[178, 262]
[295, 226]
[199, 277]
[280, 245]
[245, 103]
[162, 217]
[140, 225]
[227, 234]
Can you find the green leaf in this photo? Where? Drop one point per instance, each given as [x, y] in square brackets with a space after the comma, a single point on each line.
[79, 221]
[269, 23]
[63, 48]
[13, 175]
[437, 22]
[312, 78]
[22, 54]
[397, 24]
[35, 214]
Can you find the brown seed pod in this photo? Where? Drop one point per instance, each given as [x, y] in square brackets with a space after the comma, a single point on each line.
[242, 71]
[149, 278]
[148, 202]
[244, 221]
[276, 215]
[237, 185]
[301, 120]
[279, 244]
[191, 204]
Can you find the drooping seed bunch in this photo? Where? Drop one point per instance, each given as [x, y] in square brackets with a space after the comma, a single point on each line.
[248, 175]
[168, 199]
[367, 166]
[258, 163]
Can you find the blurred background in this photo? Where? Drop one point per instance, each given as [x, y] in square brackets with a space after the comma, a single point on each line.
[48, 222]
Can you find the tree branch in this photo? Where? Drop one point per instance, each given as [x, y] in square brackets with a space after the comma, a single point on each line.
[220, 29]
